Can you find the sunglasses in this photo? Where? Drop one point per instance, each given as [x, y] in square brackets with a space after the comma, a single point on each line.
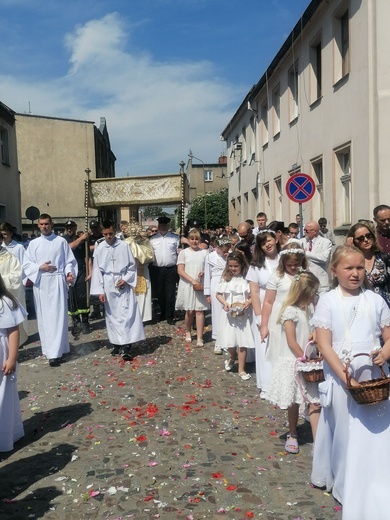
[367, 236]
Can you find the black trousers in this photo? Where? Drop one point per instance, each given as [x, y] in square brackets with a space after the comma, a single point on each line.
[164, 281]
[77, 297]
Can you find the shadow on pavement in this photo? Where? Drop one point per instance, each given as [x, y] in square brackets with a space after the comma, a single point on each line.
[20, 475]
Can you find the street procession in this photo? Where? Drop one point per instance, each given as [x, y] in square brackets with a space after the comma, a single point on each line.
[196, 336]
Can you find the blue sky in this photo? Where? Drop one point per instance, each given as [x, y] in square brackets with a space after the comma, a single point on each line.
[166, 74]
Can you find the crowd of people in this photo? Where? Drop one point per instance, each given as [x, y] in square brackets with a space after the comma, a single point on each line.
[277, 297]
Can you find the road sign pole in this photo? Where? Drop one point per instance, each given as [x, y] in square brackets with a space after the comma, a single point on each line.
[301, 234]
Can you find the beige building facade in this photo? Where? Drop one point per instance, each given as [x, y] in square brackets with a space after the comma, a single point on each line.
[323, 108]
[54, 156]
[9, 171]
[206, 177]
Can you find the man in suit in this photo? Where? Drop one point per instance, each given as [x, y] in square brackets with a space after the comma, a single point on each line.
[318, 250]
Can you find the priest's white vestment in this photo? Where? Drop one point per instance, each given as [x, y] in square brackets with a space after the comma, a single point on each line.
[112, 263]
[11, 272]
[51, 291]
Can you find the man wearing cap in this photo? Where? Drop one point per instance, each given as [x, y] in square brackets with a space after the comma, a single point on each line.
[163, 270]
[78, 306]
[50, 265]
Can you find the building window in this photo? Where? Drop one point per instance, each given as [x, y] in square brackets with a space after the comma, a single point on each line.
[317, 174]
[278, 198]
[293, 92]
[266, 201]
[208, 175]
[264, 124]
[4, 148]
[276, 111]
[343, 173]
[341, 41]
[315, 72]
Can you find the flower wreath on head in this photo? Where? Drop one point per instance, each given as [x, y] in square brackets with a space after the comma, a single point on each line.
[294, 251]
[297, 276]
[266, 231]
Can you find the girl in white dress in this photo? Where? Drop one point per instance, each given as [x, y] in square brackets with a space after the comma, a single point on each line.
[292, 259]
[235, 326]
[351, 453]
[190, 267]
[214, 266]
[294, 318]
[11, 315]
[265, 261]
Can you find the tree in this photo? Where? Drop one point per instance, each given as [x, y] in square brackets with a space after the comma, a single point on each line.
[153, 211]
[212, 209]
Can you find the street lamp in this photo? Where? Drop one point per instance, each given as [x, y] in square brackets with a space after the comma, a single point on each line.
[191, 156]
[182, 164]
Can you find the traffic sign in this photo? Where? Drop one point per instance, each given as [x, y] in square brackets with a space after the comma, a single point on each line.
[300, 187]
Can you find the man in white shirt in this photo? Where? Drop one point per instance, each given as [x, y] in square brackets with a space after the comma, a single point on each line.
[318, 250]
[261, 219]
[163, 271]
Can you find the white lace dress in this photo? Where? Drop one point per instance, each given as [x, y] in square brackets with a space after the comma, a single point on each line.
[235, 332]
[351, 454]
[187, 299]
[284, 389]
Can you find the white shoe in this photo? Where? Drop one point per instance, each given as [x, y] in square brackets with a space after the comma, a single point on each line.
[217, 350]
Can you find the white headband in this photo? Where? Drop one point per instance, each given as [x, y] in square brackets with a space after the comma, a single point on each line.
[267, 231]
[292, 252]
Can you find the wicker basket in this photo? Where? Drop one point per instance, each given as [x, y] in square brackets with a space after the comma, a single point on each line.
[368, 392]
[312, 374]
[237, 309]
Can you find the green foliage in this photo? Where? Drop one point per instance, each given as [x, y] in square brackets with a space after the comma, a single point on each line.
[212, 209]
[154, 211]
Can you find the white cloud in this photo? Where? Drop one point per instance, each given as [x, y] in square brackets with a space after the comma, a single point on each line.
[155, 111]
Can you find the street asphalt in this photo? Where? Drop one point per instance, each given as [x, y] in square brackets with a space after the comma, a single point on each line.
[168, 435]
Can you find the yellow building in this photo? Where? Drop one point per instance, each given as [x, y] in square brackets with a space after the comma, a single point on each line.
[53, 156]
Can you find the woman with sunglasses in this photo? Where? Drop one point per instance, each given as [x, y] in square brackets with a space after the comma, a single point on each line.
[377, 264]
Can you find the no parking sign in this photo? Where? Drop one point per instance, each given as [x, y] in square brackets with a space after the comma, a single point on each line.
[300, 187]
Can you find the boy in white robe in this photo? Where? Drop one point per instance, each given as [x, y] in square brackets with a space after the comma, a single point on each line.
[114, 277]
[50, 265]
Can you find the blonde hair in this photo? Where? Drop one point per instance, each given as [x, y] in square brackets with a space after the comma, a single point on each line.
[194, 234]
[297, 254]
[302, 291]
[340, 253]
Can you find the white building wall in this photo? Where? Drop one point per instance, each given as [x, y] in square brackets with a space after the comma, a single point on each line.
[351, 112]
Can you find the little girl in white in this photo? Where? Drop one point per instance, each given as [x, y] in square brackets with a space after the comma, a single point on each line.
[11, 315]
[214, 266]
[284, 391]
[235, 326]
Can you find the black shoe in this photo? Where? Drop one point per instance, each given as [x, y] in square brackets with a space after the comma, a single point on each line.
[85, 327]
[116, 350]
[55, 362]
[76, 331]
[170, 321]
[126, 353]
[95, 315]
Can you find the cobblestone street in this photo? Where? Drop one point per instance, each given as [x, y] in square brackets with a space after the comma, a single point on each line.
[168, 435]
